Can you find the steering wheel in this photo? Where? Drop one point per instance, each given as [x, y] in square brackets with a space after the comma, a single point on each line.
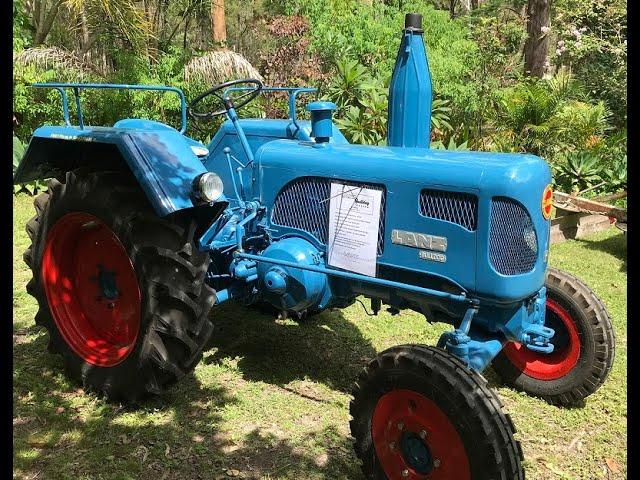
[225, 100]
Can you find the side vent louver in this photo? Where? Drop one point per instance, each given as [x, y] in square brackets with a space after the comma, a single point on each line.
[513, 243]
[454, 207]
[304, 204]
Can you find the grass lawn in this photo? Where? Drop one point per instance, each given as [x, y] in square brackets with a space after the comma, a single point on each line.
[270, 399]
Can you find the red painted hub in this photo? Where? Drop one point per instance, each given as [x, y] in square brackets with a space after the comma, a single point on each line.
[92, 289]
[564, 357]
[414, 439]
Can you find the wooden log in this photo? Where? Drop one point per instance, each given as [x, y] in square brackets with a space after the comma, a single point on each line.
[611, 197]
[565, 201]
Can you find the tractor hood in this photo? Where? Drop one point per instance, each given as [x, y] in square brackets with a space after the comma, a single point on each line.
[480, 202]
[500, 173]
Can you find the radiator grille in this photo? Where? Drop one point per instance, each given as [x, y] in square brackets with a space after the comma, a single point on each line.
[455, 207]
[304, 204]
[513, 243]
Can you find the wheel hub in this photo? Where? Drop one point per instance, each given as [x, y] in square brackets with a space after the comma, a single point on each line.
[107, 281]
[92, 289]
[416, 453]
[414, 439]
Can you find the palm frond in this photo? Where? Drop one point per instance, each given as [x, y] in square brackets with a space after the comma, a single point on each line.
[53, 58]
[219, 66]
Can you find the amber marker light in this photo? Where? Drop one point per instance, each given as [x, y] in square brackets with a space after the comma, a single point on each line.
[547, 202]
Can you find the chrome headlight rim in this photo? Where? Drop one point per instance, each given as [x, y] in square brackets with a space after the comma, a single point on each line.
[208, 187]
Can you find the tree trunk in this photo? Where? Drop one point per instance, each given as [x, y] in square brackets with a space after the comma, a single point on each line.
[218, 25]
[452, 8]
[84, 40]
[43, 20]
[537, 45]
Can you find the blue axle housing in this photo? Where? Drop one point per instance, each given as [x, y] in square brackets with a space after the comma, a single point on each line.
[268, 232]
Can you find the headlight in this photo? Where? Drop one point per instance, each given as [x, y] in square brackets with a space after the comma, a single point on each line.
[208, 187]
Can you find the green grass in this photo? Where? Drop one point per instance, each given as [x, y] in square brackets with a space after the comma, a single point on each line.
[270, 400]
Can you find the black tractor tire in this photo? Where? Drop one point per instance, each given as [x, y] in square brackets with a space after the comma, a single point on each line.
[485, 434]
[174, 302]
[594, 331]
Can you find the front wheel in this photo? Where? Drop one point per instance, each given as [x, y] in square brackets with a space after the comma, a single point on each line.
[419, 413]
[120, 290]
[584, 346]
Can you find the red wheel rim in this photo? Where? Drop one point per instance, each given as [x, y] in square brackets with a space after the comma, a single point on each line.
[92, 289]
[404, 414]
[555, 365]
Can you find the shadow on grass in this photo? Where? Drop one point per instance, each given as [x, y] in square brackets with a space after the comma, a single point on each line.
[494, 382]
[62, 432]
[615, 245]
[325, 348]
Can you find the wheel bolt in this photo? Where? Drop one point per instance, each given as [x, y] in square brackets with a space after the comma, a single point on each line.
[400, 426]
[392, 445]
[436, 463]
[423, 434]
[405, 473]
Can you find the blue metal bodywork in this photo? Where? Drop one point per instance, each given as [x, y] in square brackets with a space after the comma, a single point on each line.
[405, 173]
[409, 123]
[159, 157]
[486, 207]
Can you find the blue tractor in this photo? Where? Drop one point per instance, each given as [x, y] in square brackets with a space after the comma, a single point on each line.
[143, 231]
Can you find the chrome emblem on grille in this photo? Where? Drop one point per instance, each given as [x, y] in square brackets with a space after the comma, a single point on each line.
[433, 256]
[419, 240]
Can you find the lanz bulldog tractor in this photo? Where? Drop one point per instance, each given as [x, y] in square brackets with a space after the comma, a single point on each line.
[144, 230]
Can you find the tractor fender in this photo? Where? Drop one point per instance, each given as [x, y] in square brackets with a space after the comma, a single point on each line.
[160, 159]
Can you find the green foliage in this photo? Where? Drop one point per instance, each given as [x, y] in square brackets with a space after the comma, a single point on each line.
[363, 117]
[362, 102]
[592, 41]
[35, 106]
[452, 145]
[580, 170]
[347, 85]
[18, 152]
[584, 171]
[371, 35]
[616, 175]
[543, 117]
[440, 115]
[22, 30]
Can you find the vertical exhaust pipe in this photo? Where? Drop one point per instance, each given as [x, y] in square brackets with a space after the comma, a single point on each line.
[409, 122]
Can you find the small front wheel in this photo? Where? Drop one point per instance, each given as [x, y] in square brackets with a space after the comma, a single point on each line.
[419, 413]
[584, 346]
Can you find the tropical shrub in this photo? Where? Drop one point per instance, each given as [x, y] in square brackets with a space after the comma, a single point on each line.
[592, 41]
[578, 171]
[543, 117]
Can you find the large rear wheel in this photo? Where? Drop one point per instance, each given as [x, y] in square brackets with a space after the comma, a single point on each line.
[584, 346]
[120, 290]
[420, 414]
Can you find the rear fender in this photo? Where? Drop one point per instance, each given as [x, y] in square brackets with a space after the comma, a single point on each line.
[160, 159]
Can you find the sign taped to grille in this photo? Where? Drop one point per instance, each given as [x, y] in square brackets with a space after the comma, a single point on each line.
[354, 220]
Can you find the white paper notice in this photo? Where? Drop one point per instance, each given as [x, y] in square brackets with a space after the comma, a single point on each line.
[354, 220]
